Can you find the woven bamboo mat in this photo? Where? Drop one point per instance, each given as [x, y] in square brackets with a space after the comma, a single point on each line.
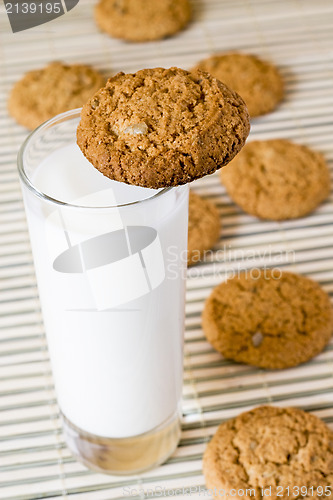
[297, 36]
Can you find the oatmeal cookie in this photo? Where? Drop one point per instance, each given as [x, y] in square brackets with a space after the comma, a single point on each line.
[268, 318]
[44, 93]
[277, 179]
[141, 21]
[272, 449]
[162, 127]
[258, 82]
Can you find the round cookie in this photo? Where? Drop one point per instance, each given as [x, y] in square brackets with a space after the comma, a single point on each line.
[268, 318]
[44, 93]
[257, 81]
[272, 449]
[277, 179]
[162, 127]
[139, 20]
[203, 227]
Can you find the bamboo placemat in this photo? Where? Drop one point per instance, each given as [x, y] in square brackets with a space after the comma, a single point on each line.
[295, 35]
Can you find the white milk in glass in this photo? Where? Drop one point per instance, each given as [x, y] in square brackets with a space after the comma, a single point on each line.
[111, 293]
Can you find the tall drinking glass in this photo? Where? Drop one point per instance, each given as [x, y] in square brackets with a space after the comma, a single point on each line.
[110, 268]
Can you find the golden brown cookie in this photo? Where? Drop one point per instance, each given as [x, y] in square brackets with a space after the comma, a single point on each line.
[162, 127]
[42, 94]
[257, 81]
[139, 20]
[277, 179]
[203, 227]
[268, 318]
[271, 453]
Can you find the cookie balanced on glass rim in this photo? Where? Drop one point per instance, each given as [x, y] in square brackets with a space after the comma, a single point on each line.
[162, 127]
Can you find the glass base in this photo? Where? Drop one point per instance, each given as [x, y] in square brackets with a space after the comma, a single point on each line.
[121, 456]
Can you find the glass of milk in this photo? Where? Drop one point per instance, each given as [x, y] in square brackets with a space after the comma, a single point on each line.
[110, 261]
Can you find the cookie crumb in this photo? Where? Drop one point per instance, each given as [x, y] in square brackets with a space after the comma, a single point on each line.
[253, 445]
[94, 103]
[257, 339]
[136, 128]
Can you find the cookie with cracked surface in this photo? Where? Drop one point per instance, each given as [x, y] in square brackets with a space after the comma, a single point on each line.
[203, 227]
[44, 93]
[277, 179]
[258, 82]
[141, 21]
[268, 447]
[268, 318]
[162, 127]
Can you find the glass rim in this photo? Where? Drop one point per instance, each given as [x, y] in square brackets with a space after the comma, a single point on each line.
[73, 113]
